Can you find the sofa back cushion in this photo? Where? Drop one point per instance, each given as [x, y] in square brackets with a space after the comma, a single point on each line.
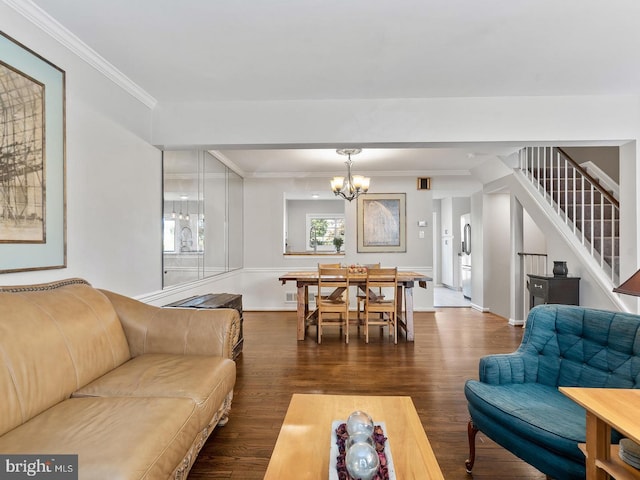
[53, 342]
[577, 346]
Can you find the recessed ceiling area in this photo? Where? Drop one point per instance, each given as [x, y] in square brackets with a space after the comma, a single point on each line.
[371, 161]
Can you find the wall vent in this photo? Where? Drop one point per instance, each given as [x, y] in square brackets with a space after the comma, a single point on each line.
[292, 297]
[424, 183]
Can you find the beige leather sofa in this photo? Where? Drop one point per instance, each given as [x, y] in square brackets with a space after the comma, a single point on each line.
[134, 390]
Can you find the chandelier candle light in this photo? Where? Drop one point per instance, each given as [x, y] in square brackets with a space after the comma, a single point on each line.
[353, 185]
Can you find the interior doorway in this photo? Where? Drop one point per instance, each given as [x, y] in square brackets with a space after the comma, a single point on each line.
[447, 297]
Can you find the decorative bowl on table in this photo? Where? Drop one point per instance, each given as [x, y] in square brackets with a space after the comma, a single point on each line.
[357, 269]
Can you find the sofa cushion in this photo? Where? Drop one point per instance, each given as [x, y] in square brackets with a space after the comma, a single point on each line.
[115, 438]
[205, 379]
[79, 338]
[535, 412]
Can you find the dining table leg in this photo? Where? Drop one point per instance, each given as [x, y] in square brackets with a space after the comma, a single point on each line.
[408, 311]
[303, 308]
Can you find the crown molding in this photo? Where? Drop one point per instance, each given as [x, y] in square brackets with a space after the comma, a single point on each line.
[372, 174]
[224, 159]
[52, 27]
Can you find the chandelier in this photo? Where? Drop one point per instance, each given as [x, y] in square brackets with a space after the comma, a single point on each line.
[351, 186]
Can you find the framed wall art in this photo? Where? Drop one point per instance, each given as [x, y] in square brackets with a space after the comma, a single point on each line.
[32, 160]
[382, 222]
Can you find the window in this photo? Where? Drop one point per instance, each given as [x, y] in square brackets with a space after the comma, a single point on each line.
[169, 236]
[321, 229]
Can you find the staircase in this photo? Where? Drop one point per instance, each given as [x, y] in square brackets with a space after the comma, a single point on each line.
[585, 206]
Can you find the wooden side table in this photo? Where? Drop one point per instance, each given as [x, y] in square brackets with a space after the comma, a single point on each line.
[608, 408]
[550, 289]
[216, 300]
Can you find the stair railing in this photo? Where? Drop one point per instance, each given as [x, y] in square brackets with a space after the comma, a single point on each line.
[592, 213]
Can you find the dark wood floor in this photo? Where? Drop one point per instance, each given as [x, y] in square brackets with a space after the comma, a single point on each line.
[432, 370]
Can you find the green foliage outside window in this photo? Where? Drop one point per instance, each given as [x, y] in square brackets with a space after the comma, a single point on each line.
[323, 230]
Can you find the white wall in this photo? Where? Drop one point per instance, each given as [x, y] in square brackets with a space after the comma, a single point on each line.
[496, 249]
[437, 235]
[534, 239]
[605, 158]
[446, 242]
[477, 240]
[113, 189]
[629, 217]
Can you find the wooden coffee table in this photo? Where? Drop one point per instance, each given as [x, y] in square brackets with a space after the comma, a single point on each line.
[302, 448]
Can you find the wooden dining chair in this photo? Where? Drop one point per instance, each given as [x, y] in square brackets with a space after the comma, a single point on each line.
[385, 279]
[329, 265]
[362, 295]
[332, 299]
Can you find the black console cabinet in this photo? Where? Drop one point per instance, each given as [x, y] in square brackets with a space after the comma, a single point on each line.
[550, 289]
[216, 300]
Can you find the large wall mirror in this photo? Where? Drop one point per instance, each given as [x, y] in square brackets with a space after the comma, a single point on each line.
[202, 217]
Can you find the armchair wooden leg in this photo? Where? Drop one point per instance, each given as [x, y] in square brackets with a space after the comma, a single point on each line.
[472, 430]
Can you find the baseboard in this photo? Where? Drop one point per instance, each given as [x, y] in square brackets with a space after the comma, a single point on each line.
[479, 308]
[516, 323]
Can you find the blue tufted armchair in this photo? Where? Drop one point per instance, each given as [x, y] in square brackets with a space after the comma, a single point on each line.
[516, 401]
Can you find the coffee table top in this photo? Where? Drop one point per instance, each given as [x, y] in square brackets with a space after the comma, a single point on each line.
[302, 448]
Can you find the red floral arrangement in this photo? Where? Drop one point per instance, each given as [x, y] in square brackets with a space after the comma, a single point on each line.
[378, 440]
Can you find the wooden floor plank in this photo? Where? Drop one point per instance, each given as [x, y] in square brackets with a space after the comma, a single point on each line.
[432, 370]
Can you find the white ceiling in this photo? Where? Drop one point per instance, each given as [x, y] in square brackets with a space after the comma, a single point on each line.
[208, 50]
[199, 50]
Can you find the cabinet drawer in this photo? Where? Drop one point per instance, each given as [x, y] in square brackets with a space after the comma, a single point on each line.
[538, 288]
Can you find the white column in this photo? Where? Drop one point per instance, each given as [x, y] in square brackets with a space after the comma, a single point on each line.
[516, 311]
[629, 221]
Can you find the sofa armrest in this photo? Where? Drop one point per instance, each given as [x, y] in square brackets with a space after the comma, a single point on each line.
[185, 331]
[502, 368]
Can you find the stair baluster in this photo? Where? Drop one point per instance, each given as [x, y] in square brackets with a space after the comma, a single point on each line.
[592, 213]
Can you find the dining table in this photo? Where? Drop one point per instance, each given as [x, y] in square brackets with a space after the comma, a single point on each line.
[404, 295]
